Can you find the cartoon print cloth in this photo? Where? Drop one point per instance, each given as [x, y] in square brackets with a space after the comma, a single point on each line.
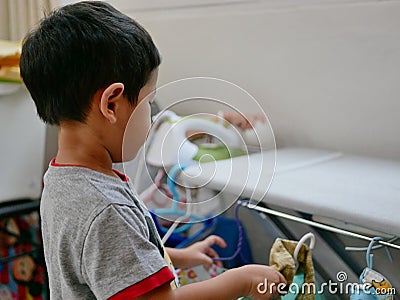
[281, 258]
[373, 285]
[24, 276]
[198, 273]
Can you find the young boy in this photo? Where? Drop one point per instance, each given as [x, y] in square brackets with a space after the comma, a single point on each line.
[88, 68]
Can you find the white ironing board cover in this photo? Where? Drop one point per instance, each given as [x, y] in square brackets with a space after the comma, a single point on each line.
[360, 190]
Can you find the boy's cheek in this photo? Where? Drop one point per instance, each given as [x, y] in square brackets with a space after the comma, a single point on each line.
[136, 131]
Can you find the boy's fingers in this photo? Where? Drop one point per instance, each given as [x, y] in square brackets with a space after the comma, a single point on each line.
[274, 296]
[208, 262]
[281, 289]
[219, 264]
[215, 240]
[212, 253]
[282, 278]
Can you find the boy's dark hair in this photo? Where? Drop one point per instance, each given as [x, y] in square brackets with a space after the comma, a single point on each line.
[79, 49]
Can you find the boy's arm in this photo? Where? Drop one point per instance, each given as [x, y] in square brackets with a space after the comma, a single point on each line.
[244, 281]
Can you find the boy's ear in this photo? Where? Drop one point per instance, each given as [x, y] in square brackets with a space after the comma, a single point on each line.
[109, 100]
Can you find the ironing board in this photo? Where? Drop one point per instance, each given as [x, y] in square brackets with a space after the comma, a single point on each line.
[331, 186]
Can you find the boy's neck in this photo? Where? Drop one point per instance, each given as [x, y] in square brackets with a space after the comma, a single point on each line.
[79, 145]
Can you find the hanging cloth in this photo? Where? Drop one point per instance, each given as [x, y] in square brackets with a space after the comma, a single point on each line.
[373, 285]
[282, 258]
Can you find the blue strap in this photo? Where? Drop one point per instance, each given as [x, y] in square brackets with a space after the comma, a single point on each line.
[172, 184]
[369, 256]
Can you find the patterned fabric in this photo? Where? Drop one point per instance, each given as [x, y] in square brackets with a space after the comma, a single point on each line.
[281, 257]
[24, 276]
[374, 286]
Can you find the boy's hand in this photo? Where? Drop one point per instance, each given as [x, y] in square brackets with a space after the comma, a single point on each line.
[199, 253]
[265, 282]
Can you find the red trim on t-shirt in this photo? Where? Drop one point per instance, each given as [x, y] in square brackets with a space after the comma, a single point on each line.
[123, 177]
[53, 163]
[146, 285]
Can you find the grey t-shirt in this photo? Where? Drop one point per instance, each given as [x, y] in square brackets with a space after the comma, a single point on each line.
[98, 237]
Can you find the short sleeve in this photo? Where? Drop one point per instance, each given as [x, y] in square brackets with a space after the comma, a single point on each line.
[118, 254]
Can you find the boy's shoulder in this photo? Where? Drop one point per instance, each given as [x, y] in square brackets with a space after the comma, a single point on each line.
[78, 182]
[83, 193]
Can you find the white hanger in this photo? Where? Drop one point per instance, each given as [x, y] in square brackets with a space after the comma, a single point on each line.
[308, 236]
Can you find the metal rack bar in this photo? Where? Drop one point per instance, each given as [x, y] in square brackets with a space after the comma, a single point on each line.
[314, 224]
[18, 207]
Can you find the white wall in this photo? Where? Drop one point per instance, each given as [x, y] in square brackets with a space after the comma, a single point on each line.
[3, 20]
[22, 140]
[327, 73]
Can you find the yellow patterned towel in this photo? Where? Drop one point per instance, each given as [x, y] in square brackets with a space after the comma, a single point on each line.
[281, 257]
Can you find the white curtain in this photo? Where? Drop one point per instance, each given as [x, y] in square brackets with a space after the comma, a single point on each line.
[22, 15]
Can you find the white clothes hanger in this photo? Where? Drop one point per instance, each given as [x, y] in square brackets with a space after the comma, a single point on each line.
[308, 236]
